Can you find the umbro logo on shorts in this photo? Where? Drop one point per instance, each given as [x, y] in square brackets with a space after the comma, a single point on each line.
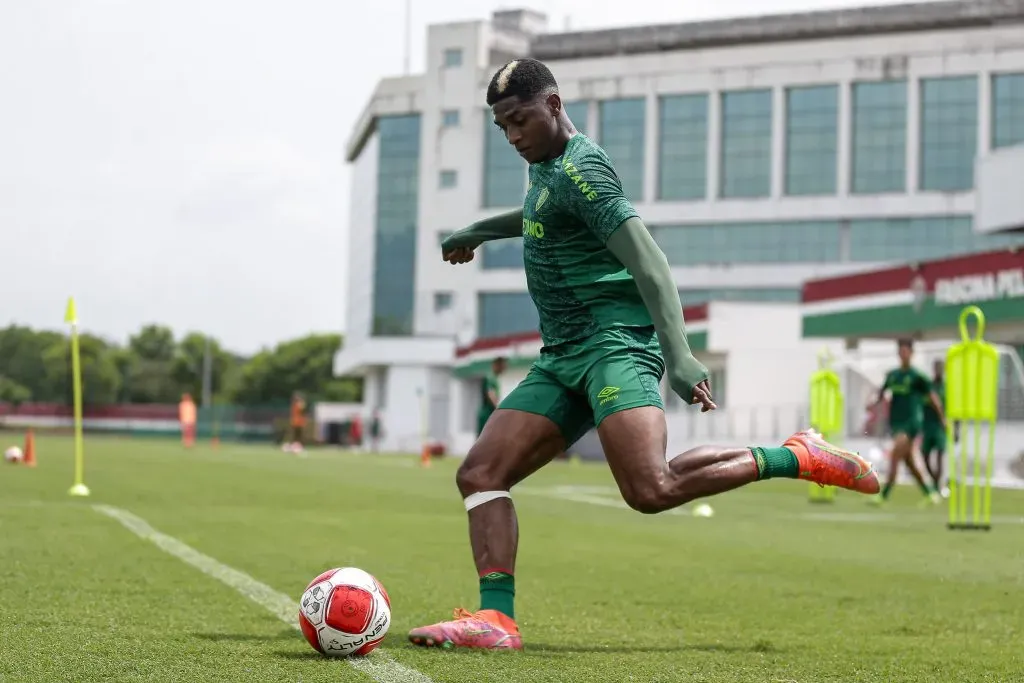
[608, 394]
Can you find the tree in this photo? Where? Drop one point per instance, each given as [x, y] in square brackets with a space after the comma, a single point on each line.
[12, 392]
[189, 365]
[148, 370]
[22, 362]
[305, 364]
[101, 379]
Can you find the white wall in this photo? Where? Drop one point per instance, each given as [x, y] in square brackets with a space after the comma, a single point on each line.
[362, 224]
[998, 209]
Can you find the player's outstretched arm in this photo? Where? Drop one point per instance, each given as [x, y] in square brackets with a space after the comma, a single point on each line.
[502, 226]
[633, 245]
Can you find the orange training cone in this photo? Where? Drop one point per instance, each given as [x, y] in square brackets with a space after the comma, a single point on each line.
[30, 449]
[425, 456]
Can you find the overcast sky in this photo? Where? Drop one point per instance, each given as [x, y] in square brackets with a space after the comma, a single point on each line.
[180, 161]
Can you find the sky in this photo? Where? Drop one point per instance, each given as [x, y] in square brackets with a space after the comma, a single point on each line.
[181, 163]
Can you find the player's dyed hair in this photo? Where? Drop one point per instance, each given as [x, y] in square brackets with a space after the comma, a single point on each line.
[523, 78]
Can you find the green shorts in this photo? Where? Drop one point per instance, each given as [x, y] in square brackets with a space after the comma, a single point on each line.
[578, 384]
[909, 427]
[933, 439]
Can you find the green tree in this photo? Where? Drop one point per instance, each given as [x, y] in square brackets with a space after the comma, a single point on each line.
[22, 361]
[101, 379]
[148, 371]
[189, 363]
[12, 392]
[305, 364]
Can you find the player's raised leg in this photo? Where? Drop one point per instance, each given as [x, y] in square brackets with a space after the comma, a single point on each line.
[522, 436]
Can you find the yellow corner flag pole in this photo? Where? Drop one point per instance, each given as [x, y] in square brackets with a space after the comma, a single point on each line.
[71, 317]
[826, 414]
[972, 392]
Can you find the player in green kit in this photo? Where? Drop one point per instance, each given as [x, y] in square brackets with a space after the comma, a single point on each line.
[933, 433]
[489, 389]
[611, 326]
[909, 389]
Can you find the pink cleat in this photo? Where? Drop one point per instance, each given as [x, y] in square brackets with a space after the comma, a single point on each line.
[828, 465]
[488, 629]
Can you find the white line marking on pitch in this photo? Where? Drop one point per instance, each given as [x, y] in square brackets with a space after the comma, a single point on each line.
[379, 666]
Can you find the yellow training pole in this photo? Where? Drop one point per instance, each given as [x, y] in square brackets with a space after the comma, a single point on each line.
[972, 391]
[71, 317]
[826, 414]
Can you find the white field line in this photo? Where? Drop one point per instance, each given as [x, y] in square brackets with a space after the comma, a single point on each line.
[379, 666]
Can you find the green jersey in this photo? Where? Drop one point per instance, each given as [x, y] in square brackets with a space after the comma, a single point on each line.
[490, 383]
[908, 388]
[931, 416]
[573, 205]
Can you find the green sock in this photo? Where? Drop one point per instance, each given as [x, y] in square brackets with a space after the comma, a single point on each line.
[886, 490]
[775, 463]
[498, 592]
[926, 488]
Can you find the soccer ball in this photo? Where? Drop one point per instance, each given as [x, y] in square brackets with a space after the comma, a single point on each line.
[13, 455]
[345, 612]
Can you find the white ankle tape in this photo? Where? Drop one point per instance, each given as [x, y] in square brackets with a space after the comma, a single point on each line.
[477, 499]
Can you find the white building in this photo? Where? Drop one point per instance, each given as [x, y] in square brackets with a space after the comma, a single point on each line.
[761, 152]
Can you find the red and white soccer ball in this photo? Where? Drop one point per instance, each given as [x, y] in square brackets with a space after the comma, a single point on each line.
[345, 612]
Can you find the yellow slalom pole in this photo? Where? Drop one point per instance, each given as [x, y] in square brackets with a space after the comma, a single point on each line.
[826, 414]
[972, 392]
[71, 317]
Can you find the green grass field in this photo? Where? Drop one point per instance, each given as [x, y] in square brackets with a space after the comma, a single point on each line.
[770, 589]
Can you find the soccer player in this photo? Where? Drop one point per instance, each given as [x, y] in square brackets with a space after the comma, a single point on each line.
[612, 326]
[297, 422]
[489, 399]
[933, 437]
[908, 388]
[187, 418]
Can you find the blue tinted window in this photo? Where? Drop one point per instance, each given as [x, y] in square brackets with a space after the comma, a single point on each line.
[502, 313]
[949, 133]
[578, 114]
[622, 137]
[394, 267]
[504, 181]
[507, 253]
[763, 242]
[746, 157]
[683, 148]
[920, 238]
[452, 57]
[812, 134]
[879, 138]
[1007, 110]
[450, 118]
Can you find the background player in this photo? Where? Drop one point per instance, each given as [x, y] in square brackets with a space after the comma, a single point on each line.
[933, 435]
[489, 400]
[908, 389]
[612, 326]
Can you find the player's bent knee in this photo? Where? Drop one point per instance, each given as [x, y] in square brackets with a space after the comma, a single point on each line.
[475, 475]
[649, 500]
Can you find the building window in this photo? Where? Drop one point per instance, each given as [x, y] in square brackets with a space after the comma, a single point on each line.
[1007, 110]
[949, 133]
[879, 138]
[693, 297]
[442, 301]
[452, 57]
[448, 179]
[502, 254]
[746, 157]
[622, 137]
[504, 181]
[683, 150]
[763, 242]
[504, 313]
[812, 133]
[450, 118]
[578, 112]
[394, 267]
[926, 237]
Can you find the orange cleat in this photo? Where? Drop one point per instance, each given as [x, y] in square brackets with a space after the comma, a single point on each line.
[488, 629]
[828, 465]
